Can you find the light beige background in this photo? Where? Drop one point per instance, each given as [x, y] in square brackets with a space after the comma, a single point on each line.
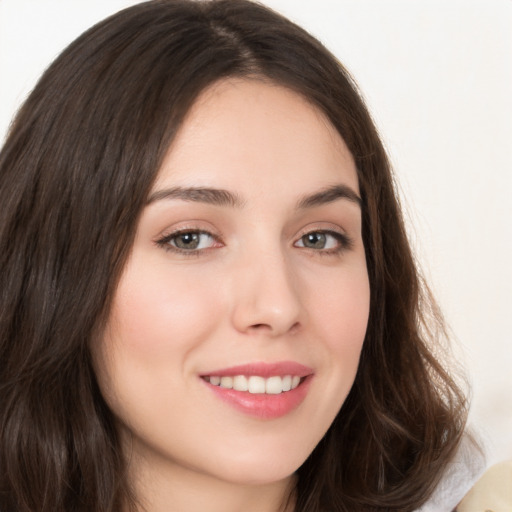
[437, 76]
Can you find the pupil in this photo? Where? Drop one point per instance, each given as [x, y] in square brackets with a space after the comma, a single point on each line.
[188, 241]
[314, 240]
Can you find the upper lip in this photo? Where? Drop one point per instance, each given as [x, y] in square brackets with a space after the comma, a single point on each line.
[261, 369]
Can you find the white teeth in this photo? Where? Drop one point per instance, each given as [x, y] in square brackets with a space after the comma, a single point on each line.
[256, 384]
[274, 386]
[240, 383]
[226, 382]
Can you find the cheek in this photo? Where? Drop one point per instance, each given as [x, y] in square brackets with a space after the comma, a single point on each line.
[342, 303]
[157, 320]
[156, 313]
[351, 319]
[341, 314]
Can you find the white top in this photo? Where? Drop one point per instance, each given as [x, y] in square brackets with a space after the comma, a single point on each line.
[459, 477]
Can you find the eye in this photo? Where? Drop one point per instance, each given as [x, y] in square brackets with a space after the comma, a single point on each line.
[326, 241]
[188, 241]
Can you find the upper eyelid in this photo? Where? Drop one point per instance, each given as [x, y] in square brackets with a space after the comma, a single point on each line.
[178, 232]
[332, 232]
[192, 227]
[324, 227]
[189, 228]
[212, 233]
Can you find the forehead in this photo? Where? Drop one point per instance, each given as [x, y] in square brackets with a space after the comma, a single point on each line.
[251, 131]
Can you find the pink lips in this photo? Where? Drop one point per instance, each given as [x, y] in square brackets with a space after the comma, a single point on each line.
[261, 405]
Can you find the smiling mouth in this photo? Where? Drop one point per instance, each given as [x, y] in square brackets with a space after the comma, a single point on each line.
[266, 391]
[256, 384]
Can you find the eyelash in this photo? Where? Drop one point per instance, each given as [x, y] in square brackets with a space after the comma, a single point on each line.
[344, 242]
[165, 242]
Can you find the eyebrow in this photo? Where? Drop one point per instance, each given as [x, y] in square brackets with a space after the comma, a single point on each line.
[215, 196]
[329, 195]
[222, 197]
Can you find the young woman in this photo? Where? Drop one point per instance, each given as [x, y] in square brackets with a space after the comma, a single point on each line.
[208, 299]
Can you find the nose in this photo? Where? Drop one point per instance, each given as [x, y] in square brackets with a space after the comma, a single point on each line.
[267, 296]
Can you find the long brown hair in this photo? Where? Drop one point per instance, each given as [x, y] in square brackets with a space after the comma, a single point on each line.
[75, 173]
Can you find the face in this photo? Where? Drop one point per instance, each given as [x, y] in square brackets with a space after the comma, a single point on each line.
[237, 325]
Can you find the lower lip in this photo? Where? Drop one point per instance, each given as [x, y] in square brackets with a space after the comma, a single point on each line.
[264, 406]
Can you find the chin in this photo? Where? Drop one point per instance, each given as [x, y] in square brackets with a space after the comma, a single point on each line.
[258, 467]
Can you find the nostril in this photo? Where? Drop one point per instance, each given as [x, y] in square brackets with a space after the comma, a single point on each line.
[268, 327]
[262, 327]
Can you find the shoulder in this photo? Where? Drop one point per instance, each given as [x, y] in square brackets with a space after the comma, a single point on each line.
[493, 491]
[460, 474]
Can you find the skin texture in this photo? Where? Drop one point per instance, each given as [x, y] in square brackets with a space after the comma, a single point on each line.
[252, 291]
